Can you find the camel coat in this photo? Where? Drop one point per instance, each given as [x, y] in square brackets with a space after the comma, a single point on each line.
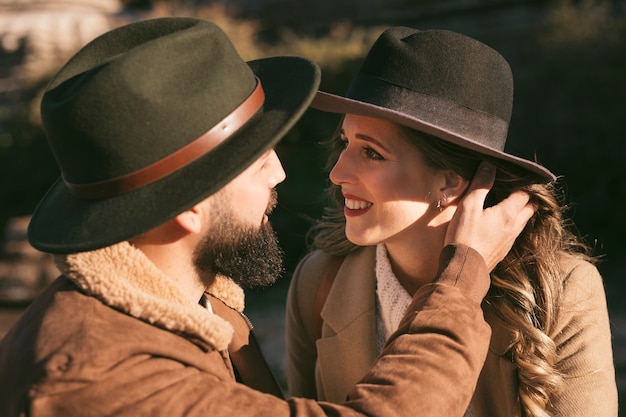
[326, 368]
[113, 336]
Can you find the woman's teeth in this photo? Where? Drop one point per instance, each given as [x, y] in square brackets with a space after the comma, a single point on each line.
[357, 204]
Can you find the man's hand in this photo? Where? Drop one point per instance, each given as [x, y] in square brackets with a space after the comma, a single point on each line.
[491, 231]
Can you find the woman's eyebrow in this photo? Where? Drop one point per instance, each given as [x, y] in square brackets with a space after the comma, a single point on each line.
[367, 138]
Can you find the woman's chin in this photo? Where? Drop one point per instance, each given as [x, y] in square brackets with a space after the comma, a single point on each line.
[359, 239]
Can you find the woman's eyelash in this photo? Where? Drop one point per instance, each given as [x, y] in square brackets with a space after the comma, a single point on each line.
[370, 153]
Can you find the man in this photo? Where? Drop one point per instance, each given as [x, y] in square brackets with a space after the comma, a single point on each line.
[164, 138]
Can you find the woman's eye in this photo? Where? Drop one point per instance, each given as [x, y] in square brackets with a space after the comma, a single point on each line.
[372, 154]
[342, 143]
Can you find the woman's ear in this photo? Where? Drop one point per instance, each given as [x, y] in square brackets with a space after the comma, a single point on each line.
[190, 220]
[453, 189]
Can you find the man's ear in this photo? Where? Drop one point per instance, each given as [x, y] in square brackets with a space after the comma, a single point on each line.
[453, 189]
[190, 220]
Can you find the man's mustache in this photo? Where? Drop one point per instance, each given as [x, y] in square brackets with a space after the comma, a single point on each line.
[271, 205]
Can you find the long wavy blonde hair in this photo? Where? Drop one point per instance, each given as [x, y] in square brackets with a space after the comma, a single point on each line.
[526, 287]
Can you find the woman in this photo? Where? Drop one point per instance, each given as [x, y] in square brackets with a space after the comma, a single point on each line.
[425, 109]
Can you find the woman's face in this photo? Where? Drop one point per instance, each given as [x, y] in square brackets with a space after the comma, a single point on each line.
[389, 190]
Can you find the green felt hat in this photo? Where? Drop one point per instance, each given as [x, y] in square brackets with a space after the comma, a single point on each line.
[151, 118]
[439, 82]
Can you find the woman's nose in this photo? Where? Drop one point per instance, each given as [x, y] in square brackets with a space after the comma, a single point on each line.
[341, 172]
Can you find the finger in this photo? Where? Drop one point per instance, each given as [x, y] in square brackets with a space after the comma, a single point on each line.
[517, 208]
[484, 177]
[481, 183]
[525, 214]
[515, 201]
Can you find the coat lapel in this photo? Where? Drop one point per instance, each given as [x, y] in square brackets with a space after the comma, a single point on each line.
[348, 343]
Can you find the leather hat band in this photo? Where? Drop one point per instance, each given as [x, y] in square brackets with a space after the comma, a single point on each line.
[182, 157]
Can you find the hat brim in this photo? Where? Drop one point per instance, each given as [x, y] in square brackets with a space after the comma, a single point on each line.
[337, 104]
[63, 223]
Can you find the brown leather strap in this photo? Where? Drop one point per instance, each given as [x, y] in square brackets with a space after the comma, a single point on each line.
[322, 293]
[174, 161]
[248, 361]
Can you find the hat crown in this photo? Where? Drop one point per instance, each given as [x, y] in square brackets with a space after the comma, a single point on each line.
[139, 93]
[445, 65]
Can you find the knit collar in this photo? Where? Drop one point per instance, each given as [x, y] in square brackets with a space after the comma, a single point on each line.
[393, 299]
[122, 277]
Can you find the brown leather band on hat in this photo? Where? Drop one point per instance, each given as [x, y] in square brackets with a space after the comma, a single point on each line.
[182, 157]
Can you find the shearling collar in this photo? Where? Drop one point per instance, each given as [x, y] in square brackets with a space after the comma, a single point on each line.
[122, 277]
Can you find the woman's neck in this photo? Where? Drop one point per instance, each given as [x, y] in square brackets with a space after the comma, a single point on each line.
[415, 261]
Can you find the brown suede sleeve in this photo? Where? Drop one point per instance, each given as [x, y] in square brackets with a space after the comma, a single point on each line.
[454, 261]
[430, 366]
[427, 369]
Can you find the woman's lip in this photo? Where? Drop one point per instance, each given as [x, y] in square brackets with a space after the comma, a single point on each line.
[348, 212]
[356, 206]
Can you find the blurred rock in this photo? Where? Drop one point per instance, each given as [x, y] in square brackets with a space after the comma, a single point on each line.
[38, 36]
[24, 271]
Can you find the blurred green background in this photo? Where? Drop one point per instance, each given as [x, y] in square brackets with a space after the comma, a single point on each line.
[568, 58]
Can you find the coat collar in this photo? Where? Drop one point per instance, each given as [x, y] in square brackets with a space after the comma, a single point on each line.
[339, 314]
[122, 277]
[350, 312]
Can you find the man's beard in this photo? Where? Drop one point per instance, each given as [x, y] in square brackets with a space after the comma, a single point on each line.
[249, 256]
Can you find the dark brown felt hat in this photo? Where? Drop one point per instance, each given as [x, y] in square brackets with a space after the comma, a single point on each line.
[151, 118]
[439, 82]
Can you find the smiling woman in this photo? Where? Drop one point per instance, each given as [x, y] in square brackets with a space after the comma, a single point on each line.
[376, 172]
[423, 112]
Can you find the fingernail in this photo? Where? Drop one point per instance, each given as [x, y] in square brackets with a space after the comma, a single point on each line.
[487, 167]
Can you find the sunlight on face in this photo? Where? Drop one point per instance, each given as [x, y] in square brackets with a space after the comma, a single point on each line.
[389, 190]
